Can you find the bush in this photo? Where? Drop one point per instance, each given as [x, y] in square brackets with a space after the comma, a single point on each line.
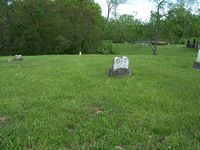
[106, 47]
[182, 41]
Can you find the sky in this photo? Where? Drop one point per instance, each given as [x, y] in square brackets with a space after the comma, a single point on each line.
[139, 8]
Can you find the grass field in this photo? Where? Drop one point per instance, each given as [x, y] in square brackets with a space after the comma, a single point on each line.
[69, 102]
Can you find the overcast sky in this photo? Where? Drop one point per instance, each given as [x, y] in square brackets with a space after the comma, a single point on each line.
[141, 8]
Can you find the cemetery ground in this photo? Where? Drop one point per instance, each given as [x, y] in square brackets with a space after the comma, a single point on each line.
[69, 102]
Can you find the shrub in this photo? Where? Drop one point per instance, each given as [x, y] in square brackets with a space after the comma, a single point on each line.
[182, 41]
[106, 47]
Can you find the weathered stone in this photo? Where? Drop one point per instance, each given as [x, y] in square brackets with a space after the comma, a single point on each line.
[125, 62]
[196, 65]
[18, 57]
[119, 72]
[117, 63]
[198, 57]
[120, 67]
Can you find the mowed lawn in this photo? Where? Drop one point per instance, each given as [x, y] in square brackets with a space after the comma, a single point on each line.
[69, 102]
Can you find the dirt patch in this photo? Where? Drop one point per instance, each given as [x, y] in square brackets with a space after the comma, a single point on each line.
[97, 110]
[70, 128]
[119, 148]
[3, 121]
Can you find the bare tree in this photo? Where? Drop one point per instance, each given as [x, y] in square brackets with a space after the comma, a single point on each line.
[113, 4]
[116, 16]
[189, 4]
[159, 6]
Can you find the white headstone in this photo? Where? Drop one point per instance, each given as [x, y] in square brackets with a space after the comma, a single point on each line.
[117, 63]
[80, 53]
[125, 62]
[198, 57]
[120, 63]
[120, 67]
[18, 57]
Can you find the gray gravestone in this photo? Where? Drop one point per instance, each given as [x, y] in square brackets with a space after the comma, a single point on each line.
[196, 65]
[120, 67]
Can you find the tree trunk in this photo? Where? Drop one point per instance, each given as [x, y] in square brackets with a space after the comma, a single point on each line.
[117, 36]
[155, 48]
[156, 39]
[108, 15]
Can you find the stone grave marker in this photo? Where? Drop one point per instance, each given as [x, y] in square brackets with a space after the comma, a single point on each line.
[196, 65]
[120, 67]
[18, 57]
[125, 62]
[116, 63]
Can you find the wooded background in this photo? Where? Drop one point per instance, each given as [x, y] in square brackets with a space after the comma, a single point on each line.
[32, 27]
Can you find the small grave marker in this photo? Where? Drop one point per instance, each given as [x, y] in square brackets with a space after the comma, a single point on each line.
[120, 67]
[18, 57]
[196, 65]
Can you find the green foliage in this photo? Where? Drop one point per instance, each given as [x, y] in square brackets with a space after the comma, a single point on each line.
[32, 27]
[106, 47]
[175, 24]
[4, 32]
[53, 27]
[126, 27]
[182, 41]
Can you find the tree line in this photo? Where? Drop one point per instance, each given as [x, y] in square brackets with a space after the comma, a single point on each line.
[32, 27]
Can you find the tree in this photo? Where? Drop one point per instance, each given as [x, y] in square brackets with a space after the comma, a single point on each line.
[51, 27]
[191, 5]
[113, 4]
[4, 27]
[181, 21]
[116, 15]
[156, 19]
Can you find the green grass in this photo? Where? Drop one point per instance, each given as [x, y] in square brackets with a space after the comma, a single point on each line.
[69, 102]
